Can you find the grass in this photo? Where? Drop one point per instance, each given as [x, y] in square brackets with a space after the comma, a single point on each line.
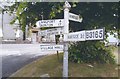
[50, 65]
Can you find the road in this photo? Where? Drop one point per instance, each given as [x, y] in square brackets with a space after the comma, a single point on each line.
[15, 56]
[11, 64]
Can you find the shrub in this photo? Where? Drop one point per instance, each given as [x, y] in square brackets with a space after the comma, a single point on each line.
[90, 52]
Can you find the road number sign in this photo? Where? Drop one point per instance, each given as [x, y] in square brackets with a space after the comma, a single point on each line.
[50, 23]
[49, 47]
[53, 31]
[97, 34]
[75, 17]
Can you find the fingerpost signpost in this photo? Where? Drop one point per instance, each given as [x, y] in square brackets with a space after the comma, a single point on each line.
[62, 27]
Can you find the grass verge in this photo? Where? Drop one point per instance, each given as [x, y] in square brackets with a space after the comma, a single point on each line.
[52, 66]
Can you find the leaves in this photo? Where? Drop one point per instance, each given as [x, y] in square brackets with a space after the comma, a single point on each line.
[95, 15]
[90, 52]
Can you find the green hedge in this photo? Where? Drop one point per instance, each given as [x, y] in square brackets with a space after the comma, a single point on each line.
[90, 52]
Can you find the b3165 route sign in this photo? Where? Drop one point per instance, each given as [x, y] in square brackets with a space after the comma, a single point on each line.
[51, 47]
[97, 34]
[50, 23]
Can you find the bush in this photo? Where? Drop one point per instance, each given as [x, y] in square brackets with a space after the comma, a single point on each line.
[90, 52]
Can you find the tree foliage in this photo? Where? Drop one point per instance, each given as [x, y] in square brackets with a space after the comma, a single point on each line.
[29, 12]
[90, 52]
[95, 15]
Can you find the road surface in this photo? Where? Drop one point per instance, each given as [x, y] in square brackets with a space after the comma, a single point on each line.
[15, 56]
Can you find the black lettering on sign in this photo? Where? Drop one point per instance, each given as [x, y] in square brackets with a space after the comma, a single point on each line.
[93, 34]
[50, 47]
[96, 34]
[41, 22]
[81, 35]
[100, 33]
[90, 35]
[57, 47]
[44, 21]
[51, 21]
[87, 35]
[74, 17]
[73, 36]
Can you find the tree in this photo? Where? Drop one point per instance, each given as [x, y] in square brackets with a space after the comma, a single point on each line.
[30, 12]
[95, 15]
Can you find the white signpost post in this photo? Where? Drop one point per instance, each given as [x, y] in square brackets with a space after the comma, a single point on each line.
[67, 6]
[97, 34]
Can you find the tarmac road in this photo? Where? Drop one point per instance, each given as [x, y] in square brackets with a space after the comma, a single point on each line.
[15, 56]
[11, 64]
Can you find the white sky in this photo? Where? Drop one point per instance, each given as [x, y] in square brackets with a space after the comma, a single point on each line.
[111, 38]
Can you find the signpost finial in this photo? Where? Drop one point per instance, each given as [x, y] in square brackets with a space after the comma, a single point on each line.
[67, 5]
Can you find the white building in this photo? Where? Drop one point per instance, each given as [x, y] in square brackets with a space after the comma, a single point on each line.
[9, 31]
